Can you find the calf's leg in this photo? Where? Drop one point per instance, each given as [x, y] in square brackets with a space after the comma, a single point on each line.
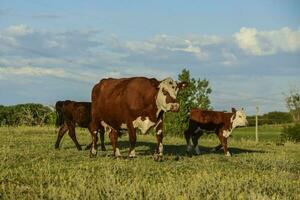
[195, 138]
[218, 147]
[223, 141]
[62, 130]
[187, 136]
[193, 132]
[72, 134]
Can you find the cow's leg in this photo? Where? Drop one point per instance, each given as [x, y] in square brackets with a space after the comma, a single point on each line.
[195, 138]
[159, 137]
[72, 135]
[132, 140]
[223, 141]
[218, 147]
[102, 139]
[226, 151]
[94, 131]
[62, 130]
[90, 145]
[188, 134]
[113, 135]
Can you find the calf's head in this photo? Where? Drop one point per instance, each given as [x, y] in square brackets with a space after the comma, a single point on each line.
[167, 94]
[239, 118]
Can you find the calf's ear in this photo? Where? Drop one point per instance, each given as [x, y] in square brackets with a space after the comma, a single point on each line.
[233, 110]
[182, 85]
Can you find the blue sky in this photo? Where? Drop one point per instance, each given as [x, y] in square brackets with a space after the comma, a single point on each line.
[53, 50]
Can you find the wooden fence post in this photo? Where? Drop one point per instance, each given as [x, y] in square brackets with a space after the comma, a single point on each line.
[256, 124]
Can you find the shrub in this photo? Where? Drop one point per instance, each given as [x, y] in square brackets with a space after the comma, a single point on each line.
[26, 114]
[291, 133]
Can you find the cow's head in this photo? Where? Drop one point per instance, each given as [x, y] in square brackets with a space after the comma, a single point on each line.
[167, 95]
[238, 118]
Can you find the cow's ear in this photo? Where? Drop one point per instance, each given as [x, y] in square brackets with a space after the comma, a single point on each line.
[233, 110]
[182, 85]
[155, 83]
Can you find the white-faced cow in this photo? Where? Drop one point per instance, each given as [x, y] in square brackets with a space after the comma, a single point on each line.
[131, 103]
[221, 123]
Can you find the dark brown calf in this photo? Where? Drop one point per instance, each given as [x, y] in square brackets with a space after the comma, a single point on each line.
[221, 123]
[70, 114]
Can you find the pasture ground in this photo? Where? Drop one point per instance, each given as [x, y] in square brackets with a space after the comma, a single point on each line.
[30, 168]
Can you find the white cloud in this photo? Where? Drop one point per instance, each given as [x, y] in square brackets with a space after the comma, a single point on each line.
[137, 46]
[261, 43]
[19, 30]
[205, 40]
[229, 59]
[168, 43]
[6, 72]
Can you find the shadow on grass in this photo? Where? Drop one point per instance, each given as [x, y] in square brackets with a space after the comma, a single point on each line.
[180, 150]
[169, 149]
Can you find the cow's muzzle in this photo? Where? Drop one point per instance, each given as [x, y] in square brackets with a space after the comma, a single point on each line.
[174, 107]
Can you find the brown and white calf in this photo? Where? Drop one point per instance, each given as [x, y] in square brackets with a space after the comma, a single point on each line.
[132, 103]
[222, 123]
[71, 114]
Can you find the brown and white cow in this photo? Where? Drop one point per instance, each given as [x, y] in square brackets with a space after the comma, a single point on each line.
[70, 114]
[222, 123]
[132, 103]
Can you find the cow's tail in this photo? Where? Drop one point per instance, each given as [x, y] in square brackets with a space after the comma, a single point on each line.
[59, 113]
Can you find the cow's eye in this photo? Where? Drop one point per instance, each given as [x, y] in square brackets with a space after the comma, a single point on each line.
[170, 83]
[165, 92]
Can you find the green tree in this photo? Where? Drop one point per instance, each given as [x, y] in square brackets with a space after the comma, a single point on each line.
[196, 95]
[293, 104]
[26, 114]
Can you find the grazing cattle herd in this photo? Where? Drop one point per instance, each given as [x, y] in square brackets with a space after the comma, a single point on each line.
[139, 103]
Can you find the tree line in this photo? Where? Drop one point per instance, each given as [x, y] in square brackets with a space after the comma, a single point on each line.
[30, 114]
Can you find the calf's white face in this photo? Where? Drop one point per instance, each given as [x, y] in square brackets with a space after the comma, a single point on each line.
[167, 94]
[239, 118]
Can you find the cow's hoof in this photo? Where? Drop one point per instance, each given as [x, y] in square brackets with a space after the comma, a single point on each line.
[130, 156]
[189, 154]
[217, 148]
[79, 148]
[88, 146]
[93, 153]
[103, 149]
[117, 157]
[117, 153]
[197, 151]
[228, 154]
[158, 158]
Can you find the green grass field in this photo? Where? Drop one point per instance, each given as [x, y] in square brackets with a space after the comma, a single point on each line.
[31, 168]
